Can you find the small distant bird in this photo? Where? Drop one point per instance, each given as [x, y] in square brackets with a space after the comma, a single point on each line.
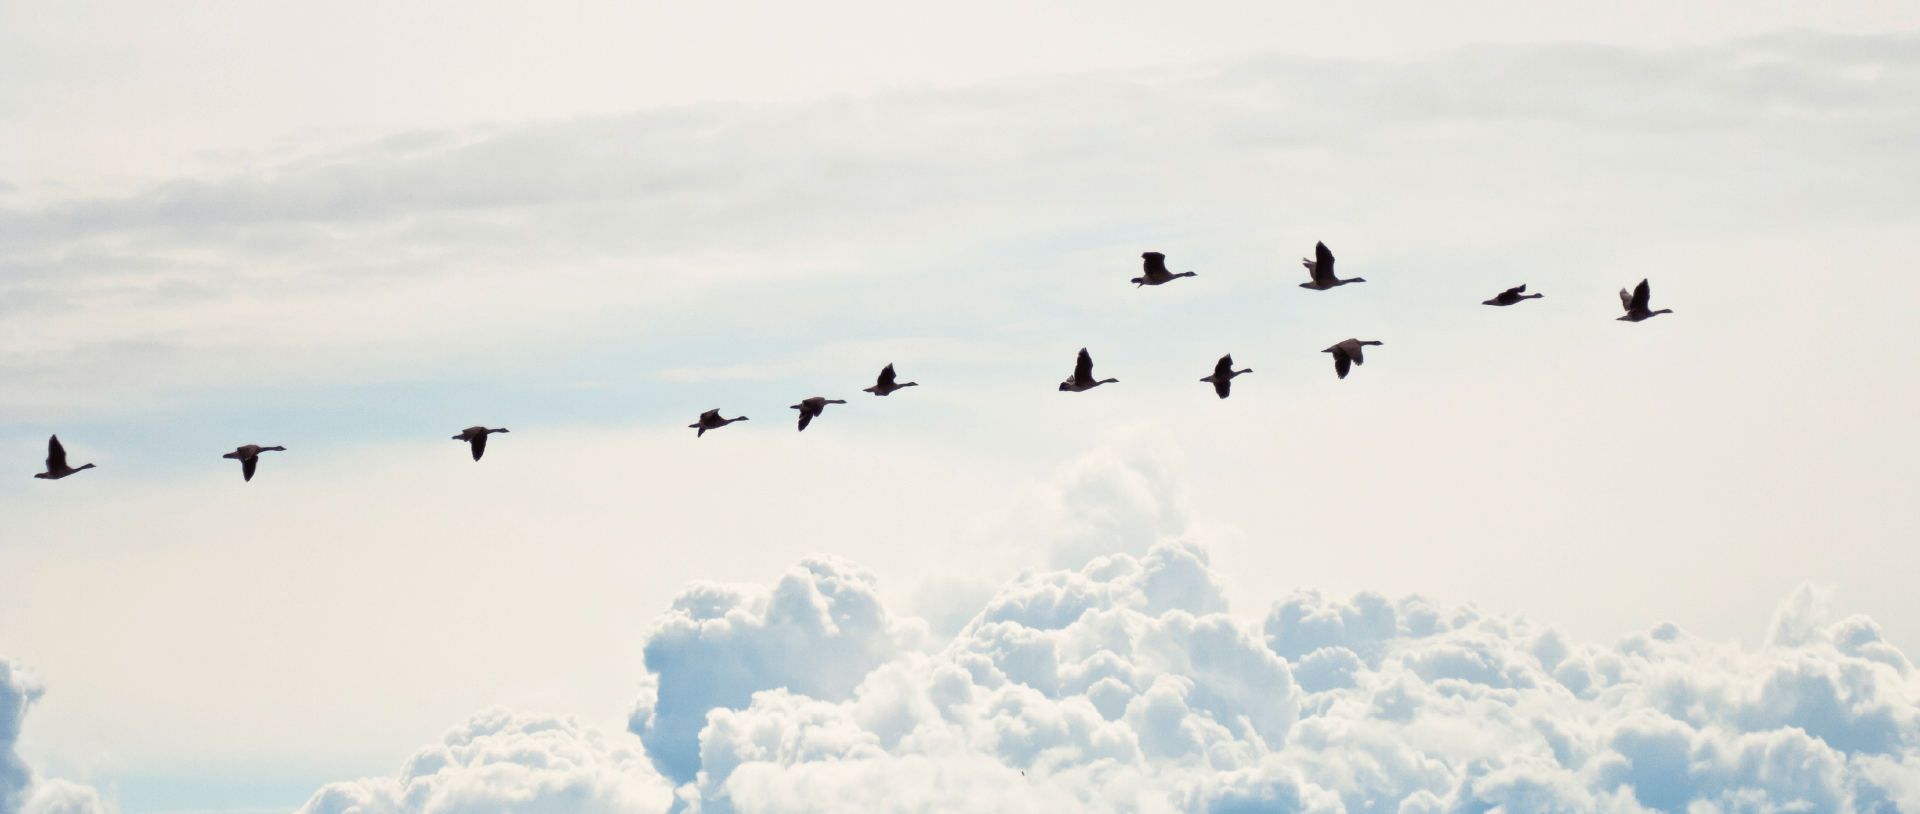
[477, 436]
[1321, 268]
[711, 420]
[1223, 374]
[812, 407]
[249, 456]
[1513, 295]
[1156, 271]
[1349, 353]
[57, 461]
[885, 385]
[1636, 303]
[1082, 378]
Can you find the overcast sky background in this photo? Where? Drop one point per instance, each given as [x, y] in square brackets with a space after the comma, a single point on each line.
[352, 230]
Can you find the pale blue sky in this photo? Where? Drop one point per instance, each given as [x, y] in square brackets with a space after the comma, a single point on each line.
[217, 229]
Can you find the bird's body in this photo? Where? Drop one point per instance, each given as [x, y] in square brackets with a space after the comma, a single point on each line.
[1156, 271]
[1349, 352]
[1082, 378]
[711, 420]
[57, 467]
[249, 457]
[1512, 295]
[1223, 374]
[1320, 268]
[810, 408]
[477, 438]
[885, 385]
[1636, 304]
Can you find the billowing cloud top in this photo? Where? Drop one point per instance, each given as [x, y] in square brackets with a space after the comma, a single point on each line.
[1125, 685]
[20, 791]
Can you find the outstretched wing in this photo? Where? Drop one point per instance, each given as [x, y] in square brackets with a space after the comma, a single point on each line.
[1322, 263]
[479, 445]
[1516, 291]
[246, 467]
[1223, 370]
[1156, 263]
[1083, 369]
[1222, 386]
[710, 415]
[56, 454]
[806, 417]
[886, 377]
[1641, 293]
[1342, 362]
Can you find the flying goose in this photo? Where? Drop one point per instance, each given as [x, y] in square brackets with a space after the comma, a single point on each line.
[1347, 353]
[1512, 295]
[1636, 304]
[812, 407]
[885, 385]
[1321, 267]
[249, 456]
[1156, 271]
[1223, 374]
[477, 436]
[711, 420]
[1082, 378]
[57, 461]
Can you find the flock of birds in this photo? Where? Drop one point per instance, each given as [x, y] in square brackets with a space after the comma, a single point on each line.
[1346, 354]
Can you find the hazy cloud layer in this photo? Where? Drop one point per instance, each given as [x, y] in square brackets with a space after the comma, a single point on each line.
[373, 263]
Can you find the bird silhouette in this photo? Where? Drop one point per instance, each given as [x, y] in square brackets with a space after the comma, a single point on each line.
[1223, 374]
[1321, 269]
[1512, 295]
[1082, 378]
[57, 461]
[885, 385]
[812, 407]
[1636, 304]
[1348, 353]
[477, 436]
[249, 456]
[1156, 271]
[711, 420]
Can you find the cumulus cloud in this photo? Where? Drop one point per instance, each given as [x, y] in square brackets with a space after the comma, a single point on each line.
[20, 791]
[817, 632]
[1126, 685]
[500, 761]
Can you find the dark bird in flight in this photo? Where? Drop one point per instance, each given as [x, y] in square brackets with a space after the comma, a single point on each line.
[1349, 353]
[1082, 378]
[477, 436]
[1636, 303]
[812, 407]
[1513, 295]
[57, 461]
[1156, 271]
[711, 420]
[1321, 267]
[249, 456]
[885, 385]
[1223, 374]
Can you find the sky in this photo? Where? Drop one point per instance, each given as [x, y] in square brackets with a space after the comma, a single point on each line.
[354, 229]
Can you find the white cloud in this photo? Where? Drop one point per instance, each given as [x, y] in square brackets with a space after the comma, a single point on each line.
[20, 791]
[818, 632]
[1124, 686]
[501, 761]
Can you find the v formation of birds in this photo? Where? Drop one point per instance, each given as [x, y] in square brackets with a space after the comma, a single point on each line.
[1346, 353]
